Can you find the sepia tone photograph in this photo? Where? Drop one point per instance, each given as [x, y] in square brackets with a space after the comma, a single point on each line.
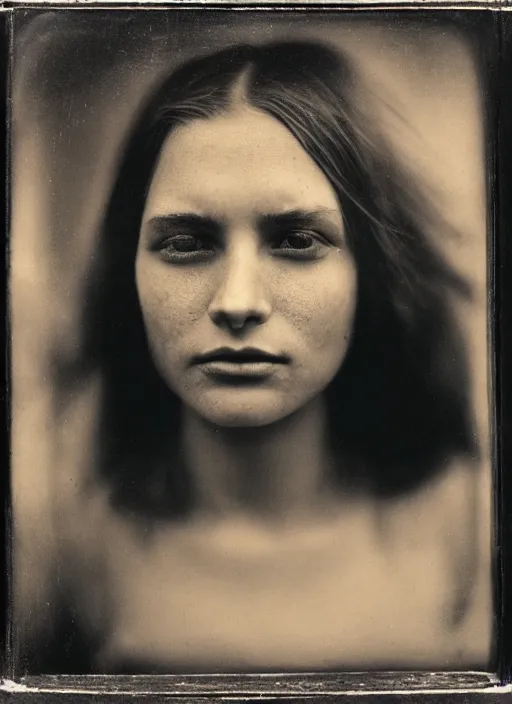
[252, 424]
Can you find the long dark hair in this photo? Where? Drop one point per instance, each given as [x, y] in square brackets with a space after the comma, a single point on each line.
[399, 407]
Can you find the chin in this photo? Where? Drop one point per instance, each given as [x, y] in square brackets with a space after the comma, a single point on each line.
[239, 415]
[238, 419]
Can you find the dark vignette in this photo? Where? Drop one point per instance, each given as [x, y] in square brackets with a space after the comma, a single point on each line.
[503, 322]
[5, 520]
[482, 28]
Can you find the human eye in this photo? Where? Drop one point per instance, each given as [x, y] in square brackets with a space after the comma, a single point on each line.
[185, 247]
[300, 244]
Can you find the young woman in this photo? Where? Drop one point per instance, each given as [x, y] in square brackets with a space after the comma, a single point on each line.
[285, 400]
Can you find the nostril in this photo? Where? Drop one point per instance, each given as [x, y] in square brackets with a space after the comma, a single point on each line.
[236, 320]
[237, 323]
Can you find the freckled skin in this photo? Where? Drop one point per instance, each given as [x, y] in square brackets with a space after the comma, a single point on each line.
[234, 169]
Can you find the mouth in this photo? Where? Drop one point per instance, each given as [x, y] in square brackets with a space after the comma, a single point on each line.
[248, 362]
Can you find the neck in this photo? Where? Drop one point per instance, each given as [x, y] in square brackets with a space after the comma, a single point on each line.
[275, 472]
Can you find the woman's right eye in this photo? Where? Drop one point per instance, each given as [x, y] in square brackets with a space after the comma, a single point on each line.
[184, 247]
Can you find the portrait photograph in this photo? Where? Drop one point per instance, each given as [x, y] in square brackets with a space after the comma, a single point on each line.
[252, 425]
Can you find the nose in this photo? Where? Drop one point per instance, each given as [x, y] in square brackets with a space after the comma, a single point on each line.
[241, 300]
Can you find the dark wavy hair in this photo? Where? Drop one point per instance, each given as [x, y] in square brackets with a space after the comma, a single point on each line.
[399, 408]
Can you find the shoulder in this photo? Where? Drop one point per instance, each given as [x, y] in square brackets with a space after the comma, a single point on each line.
[444, 532]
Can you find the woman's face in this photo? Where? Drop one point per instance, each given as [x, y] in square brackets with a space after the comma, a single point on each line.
[245, 280]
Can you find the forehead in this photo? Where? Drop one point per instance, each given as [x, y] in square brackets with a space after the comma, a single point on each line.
[244, 161]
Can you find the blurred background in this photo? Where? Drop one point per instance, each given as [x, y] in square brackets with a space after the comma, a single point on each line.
[78, 78]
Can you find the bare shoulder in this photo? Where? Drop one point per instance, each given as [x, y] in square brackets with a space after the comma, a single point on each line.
[449, 523]
[454, 507]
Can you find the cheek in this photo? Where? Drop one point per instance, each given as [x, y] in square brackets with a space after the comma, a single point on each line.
[171, 302]
[322, 304]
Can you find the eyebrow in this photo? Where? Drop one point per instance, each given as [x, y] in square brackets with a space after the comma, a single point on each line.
[185, 220]
[302, 217]
[288, 218]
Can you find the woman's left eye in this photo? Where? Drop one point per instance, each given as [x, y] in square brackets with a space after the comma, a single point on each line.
[299, 244]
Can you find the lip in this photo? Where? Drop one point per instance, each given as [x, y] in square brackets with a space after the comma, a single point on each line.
[248, 362]
[243, 355]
